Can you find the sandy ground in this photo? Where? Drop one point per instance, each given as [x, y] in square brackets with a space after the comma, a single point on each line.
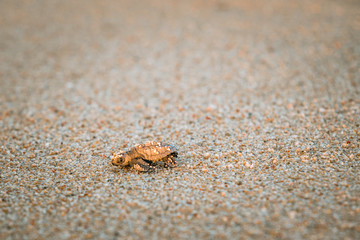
[262, 99]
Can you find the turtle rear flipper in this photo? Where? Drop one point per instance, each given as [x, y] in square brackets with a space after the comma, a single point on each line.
[169, 162]
[141, 165]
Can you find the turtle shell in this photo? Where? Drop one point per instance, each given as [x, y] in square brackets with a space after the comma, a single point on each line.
[155, 151]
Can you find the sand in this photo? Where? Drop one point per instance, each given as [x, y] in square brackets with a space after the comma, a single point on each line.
[261, 98]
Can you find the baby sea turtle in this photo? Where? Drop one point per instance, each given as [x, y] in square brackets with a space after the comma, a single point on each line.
[143, 157]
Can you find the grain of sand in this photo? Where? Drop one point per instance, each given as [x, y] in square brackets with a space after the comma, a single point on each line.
[261, 98]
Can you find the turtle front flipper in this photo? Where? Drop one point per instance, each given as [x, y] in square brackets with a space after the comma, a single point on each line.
[170, 161]
[141, 165]
[151, 163]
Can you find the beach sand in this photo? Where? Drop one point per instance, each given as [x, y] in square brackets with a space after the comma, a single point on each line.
[261, 98]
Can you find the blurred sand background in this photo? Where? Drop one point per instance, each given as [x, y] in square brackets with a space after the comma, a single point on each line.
[260, 97]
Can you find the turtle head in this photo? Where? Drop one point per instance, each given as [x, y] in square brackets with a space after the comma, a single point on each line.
[119, 159]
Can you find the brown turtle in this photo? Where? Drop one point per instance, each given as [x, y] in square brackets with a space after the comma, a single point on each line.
[143, 157]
